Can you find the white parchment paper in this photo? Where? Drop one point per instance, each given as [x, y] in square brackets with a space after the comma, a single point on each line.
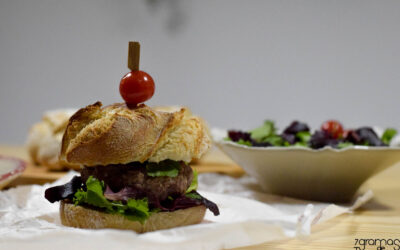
[248, 216]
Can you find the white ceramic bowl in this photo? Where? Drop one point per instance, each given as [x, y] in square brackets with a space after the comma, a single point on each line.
[10, 168]
[327, 174]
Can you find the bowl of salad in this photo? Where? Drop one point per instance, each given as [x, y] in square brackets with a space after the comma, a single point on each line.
[328, 164]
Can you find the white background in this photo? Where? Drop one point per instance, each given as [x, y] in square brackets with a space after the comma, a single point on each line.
[235, 63]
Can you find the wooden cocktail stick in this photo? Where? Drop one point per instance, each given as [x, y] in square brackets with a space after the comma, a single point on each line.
[134, 56]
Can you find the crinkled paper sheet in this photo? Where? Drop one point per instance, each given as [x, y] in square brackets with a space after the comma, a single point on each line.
[248, 217]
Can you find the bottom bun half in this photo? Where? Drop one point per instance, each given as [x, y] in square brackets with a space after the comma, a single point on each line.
[82, 217]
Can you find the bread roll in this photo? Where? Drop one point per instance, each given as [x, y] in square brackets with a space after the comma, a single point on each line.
[116, 134]
[81, 217]
[44, 139]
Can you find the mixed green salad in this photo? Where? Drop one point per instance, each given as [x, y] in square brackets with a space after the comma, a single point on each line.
[298, 133]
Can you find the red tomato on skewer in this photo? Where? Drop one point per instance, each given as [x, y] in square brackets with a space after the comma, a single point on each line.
[136, 87]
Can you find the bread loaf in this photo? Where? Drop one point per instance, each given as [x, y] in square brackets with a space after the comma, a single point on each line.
[44, 139]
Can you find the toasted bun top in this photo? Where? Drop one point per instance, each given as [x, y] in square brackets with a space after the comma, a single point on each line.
[117, 134]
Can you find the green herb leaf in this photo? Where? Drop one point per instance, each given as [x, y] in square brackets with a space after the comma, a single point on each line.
[344, 145]
[388, 135]
[266, 130]
[193, 185]
[164, 168]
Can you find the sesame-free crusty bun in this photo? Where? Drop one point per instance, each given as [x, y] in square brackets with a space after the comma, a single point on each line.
[116, 134]
[44, 139]
[81, 217]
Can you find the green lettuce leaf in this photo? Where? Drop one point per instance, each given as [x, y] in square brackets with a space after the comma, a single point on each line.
[388, 135]
[275, 140]
[137, 210]
[193, 185]
[344, 145]
[267, 133]
[261, 133]
[94, 194]
[164, 168]
[193, 196]
[243, 142]
[304, 136]
[300, 144]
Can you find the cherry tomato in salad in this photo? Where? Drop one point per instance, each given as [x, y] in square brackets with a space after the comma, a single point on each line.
[333, 128]
[136, 87]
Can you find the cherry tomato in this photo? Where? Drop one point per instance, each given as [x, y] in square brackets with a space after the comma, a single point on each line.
[333, 128]
[136, 87]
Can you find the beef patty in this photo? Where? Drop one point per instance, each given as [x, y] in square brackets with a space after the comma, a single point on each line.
[134, 176]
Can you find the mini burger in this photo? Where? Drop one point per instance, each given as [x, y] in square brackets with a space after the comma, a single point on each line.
[135, 171]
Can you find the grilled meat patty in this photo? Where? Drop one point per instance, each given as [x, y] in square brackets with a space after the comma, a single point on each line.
[134, 177]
